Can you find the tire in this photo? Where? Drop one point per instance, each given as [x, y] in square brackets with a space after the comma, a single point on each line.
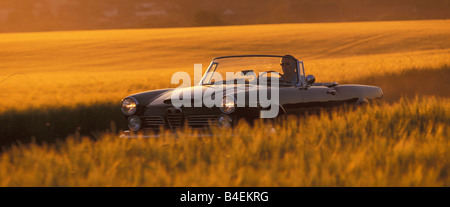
[362, 103]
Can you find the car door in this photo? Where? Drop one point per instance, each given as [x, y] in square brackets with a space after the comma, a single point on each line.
[315, 97]
[291, 99]
[310, 98]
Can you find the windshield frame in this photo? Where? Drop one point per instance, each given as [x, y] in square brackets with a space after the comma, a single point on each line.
[299, 67]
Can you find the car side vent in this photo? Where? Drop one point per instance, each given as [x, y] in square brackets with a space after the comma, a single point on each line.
[153, 122]
[174, 117]
[200, 121]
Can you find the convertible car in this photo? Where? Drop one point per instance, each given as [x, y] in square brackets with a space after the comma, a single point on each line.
[237, 88]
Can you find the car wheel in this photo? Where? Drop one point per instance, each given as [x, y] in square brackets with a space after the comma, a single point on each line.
[362, 103]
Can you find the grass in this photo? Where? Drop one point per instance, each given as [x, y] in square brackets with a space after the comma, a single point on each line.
[404, 144]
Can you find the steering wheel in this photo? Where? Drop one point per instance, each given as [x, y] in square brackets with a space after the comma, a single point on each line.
[263, 73]
[280, 78]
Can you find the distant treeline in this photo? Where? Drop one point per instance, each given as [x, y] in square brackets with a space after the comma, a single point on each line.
[45, 15]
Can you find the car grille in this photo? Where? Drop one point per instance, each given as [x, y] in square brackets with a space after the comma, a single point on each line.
[200, 121]
[153, 122]
[174, 118]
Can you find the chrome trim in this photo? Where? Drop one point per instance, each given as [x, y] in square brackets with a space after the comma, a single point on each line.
[301, 78]
[204, 74]
[128, 135]
[234, 56]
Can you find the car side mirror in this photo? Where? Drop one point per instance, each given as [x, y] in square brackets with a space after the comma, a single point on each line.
[310, 79]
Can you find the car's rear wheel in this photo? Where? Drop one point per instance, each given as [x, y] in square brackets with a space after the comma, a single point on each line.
[362, 103]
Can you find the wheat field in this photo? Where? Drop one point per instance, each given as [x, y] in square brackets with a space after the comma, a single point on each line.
[404, 144]
[63, 89]
[55, 69]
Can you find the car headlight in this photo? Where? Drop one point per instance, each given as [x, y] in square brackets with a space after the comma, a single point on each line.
[228, 104]
[129, 106]
[224, 121]
[134, 123]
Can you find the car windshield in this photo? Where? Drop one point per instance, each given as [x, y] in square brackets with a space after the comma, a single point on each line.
[251, 69]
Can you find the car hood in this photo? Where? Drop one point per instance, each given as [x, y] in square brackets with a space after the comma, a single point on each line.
[196, 93]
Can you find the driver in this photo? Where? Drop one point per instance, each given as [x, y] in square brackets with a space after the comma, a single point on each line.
[288, 64]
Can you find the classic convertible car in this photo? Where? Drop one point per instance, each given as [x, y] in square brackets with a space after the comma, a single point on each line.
[236, 88]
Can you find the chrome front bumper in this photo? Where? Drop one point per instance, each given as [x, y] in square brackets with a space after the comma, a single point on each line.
[128, 135]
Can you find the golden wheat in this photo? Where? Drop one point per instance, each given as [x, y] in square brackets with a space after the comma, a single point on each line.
[84, 67]
[405, 144]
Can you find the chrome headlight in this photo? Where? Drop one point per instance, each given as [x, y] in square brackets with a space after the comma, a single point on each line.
[228, 104]
[129, 106]
[224, 121]
[134, 123]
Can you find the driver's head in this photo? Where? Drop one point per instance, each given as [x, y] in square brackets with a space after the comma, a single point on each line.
[287, 63]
